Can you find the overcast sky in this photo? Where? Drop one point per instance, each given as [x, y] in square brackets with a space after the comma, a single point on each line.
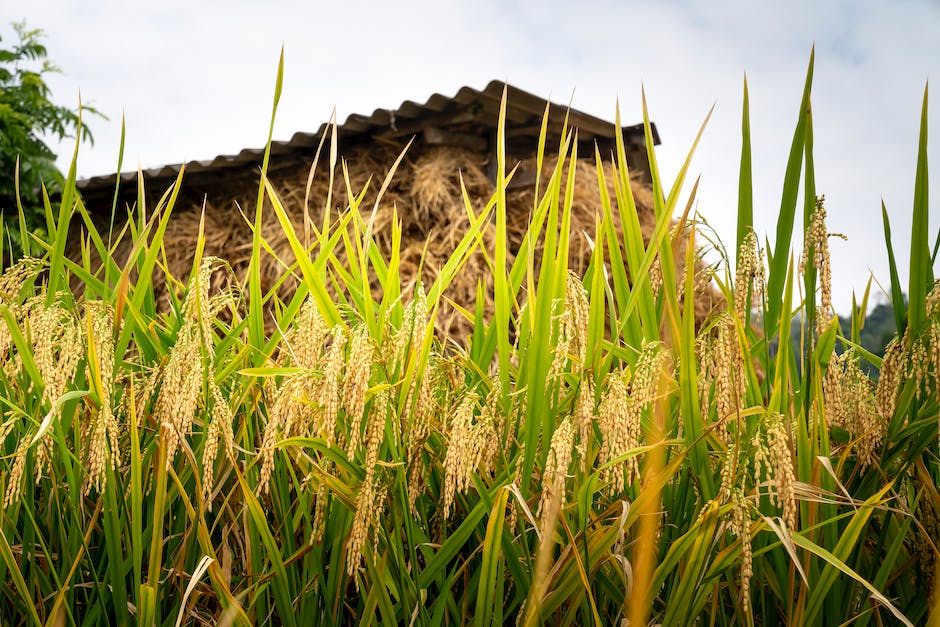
[195, 79]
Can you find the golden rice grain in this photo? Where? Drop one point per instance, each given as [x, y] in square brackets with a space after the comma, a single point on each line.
[933, 348]
[761, 459]
[784, 478]
[773, 462]
[375, 428]
[584, 416]
[57, 351]
[572, 327]
[186, 367]
[917, 360]
[741, 528]
[356, 383]
[721, 376]
[552, 499]
[15, 478]
[268, 441]
[851, 403]
[621, 410]
[305, 340]
[411, 333]
[288, 410]
[817, 243]
[290, 402]
[219, 428]
[576, 301]
[932, 334]
[180, 388]
[97, 457]
[889, 379]
[362, 524]
[460, 450]
[104, 449]
[656, 277]
[321, 506]
[16, 276]
[618, 432]
[418, 413]
[730, 466]
[562, 349]
[371, 499]
[328, 395]
[472, 445]
[209, 453]
[749, 275]
[835, 390]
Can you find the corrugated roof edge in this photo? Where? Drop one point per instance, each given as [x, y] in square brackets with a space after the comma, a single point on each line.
[357, 124]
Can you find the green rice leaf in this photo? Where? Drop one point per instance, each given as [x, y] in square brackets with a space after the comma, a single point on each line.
[921, 273]
[834, 564]
[898, 304]
[785, 218]
[745, 184]
[492, 557]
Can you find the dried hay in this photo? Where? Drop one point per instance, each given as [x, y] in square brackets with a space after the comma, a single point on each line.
[586, 205]
[424, 195]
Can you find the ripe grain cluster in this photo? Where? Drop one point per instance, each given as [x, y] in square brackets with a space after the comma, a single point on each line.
[208, 448]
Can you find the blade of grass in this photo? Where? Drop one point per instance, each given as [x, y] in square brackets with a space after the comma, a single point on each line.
[282, 595]
[492, 556]
[24, 238]
[500, 283]
[921, 273]
[898, 306]
[791, 184]
[255, 312]
[19, 583]
[114, 200]
[745, 184]
[833, 563]
[59, 231]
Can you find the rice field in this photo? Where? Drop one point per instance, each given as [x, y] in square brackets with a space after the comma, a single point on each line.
[188, 450]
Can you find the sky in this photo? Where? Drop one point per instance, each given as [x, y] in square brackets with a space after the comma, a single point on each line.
[194, 79]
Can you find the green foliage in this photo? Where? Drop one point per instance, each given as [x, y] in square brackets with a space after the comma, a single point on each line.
[28, 120]
[183, 466]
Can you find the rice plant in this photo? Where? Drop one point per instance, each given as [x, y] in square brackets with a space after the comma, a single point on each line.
[588, 455]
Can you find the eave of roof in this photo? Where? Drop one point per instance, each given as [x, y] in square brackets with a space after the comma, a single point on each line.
[521, 107]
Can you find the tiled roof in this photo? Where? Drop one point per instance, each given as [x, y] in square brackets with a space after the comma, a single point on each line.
[524, 111]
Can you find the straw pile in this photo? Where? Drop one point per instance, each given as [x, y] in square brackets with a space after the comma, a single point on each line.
[425, 194]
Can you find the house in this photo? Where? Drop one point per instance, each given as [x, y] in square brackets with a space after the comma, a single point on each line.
[453, 148]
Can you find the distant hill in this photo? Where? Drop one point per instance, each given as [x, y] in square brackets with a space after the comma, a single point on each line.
[878, 330]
